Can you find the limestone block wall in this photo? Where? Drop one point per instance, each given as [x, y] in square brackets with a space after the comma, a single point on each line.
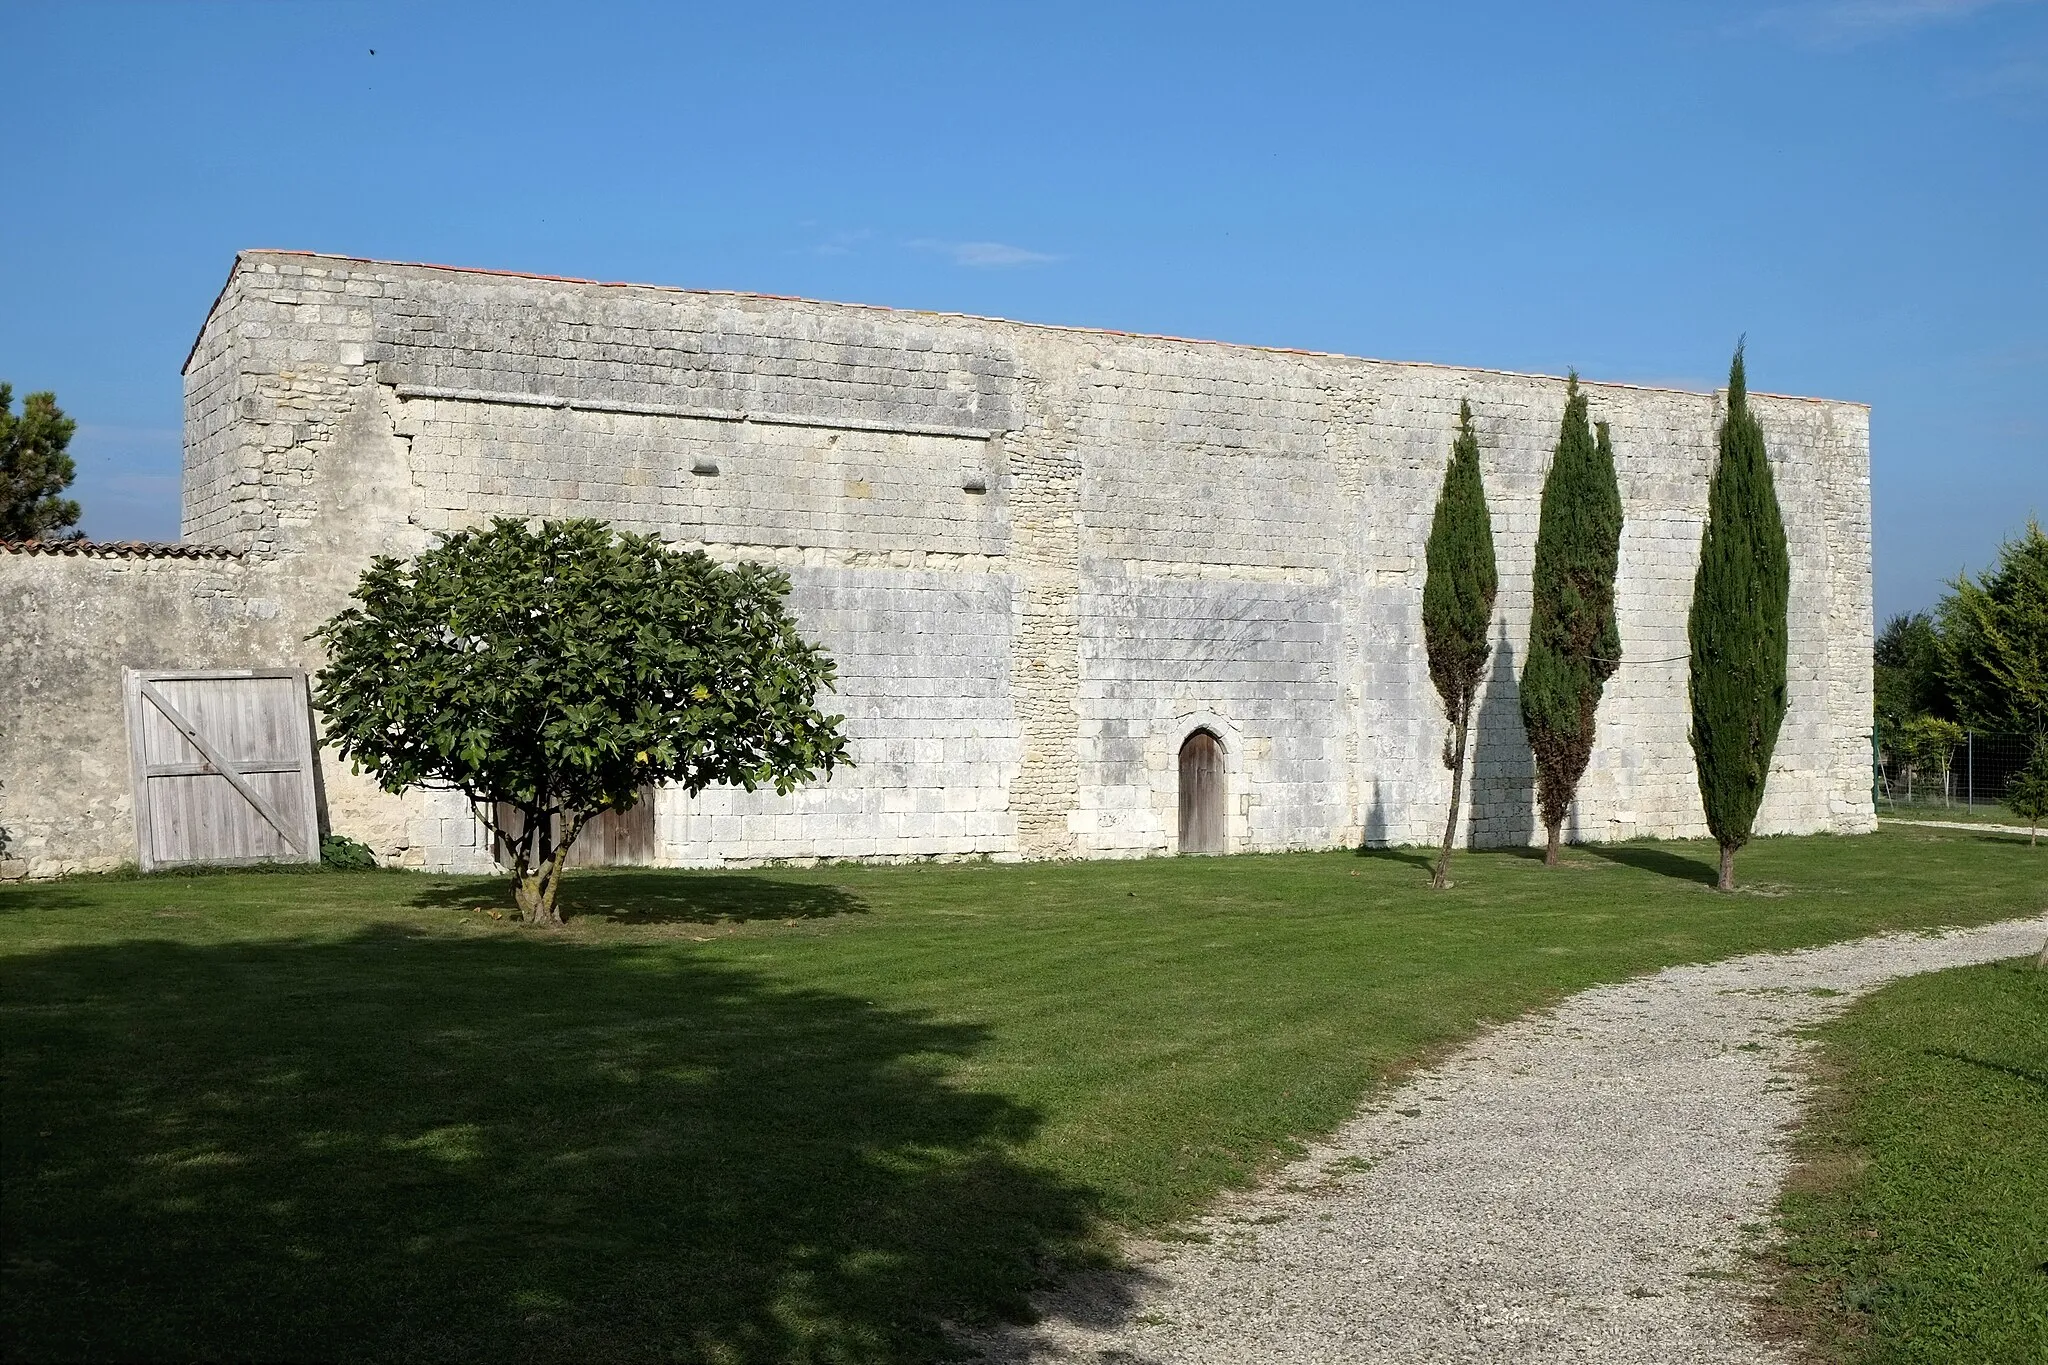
[73, 622]
[1253, 662]
[1041, 556]
[924, 662]
[76, 618]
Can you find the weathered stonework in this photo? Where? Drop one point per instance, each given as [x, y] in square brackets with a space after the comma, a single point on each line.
[1041, 556]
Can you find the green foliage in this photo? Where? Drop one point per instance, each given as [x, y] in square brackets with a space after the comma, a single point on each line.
[2026, 794]
[1574, 645]
[1458, 594]
[344, 854]
[1738, 627]
[559, 671]
[1929, 744]
[1930, 739]
[1457, 601]
[1906, 672]
[1917, 1220]
[1994, 639]
[34, 468]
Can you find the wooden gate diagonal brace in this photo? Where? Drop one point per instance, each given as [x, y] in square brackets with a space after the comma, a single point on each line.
[221, 765]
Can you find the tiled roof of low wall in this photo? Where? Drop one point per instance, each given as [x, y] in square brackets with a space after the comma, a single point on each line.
[117, 549]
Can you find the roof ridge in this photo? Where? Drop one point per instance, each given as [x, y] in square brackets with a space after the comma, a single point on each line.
[119, 549]
[240, 256]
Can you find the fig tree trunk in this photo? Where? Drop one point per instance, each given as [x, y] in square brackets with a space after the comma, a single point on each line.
[538, 888]
[538, 856]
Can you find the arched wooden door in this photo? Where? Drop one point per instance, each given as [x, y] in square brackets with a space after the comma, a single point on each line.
[1201, 794]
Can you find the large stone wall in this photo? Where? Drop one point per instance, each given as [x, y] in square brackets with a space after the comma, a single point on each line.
[1040, 555]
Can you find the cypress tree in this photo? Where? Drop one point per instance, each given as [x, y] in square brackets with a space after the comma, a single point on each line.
[1738, 629]
[1574, 645]
[1457, 606]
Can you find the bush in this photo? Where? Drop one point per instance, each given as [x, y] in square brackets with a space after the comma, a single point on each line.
[346, 854]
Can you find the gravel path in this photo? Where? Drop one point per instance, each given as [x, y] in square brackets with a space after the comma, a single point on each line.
[1579, 1185]
[1968, 827]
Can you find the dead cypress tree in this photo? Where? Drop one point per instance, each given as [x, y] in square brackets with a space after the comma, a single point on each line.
[1574, 645]
[1738, 629]
[1457, 607]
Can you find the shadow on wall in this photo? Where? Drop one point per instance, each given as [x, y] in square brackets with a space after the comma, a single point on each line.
[662, 897]
[1376, 818]
[401, 1145]
[1503, 804]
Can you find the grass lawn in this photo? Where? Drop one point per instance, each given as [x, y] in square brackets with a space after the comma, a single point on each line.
[777, 1115]
[1918, 1217]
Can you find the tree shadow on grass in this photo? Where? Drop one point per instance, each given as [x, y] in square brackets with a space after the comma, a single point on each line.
[1662, 861]
[22, 897]
[404, 1146]
[1411, 857]
[2038, 1080]
[665, 896]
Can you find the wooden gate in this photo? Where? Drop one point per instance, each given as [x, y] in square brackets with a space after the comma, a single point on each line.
[1201, 794]
[223, 767]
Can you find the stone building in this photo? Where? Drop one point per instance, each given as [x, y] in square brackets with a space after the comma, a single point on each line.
[1044, 558]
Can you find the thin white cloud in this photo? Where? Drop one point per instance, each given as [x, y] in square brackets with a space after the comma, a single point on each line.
[2021, 355]
[2017, 82]
[1845, 23]
[841, 243]
[1684, 383]
[984, 255]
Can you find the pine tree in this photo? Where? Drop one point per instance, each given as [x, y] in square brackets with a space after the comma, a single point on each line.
[1991, 640]
[1574, 645]
[34, 469]
[1457, 606]
[1738, 630]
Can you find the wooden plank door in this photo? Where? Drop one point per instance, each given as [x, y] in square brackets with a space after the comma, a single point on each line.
[1201, 794]
[617, 838]
[222, 762]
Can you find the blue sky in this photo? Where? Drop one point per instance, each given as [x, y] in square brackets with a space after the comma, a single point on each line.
[1859, 185]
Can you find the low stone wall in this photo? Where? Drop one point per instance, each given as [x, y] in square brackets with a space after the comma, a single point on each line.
[76, 616]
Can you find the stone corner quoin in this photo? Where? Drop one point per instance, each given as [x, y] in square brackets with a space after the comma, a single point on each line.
[1042, 557]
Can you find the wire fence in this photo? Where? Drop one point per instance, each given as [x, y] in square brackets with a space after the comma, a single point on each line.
[1970, 776]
